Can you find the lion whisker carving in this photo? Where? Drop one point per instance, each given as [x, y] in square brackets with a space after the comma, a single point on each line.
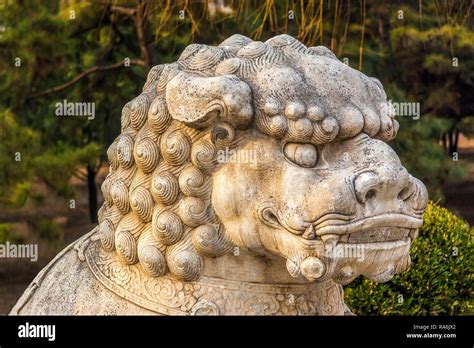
[332, 215]
[382, 220]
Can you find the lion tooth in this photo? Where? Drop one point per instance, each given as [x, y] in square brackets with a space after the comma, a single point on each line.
[309, 233]
[329, 237]
[344, 238]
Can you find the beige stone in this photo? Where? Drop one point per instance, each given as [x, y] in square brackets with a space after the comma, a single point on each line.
[249, 178]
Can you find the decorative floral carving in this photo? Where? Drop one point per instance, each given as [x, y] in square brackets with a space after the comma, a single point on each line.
[208, 296]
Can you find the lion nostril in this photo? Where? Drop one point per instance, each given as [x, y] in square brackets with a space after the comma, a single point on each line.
[407, 191]
[403, 194]
[370, 194]
[365, 186]
[377, 185]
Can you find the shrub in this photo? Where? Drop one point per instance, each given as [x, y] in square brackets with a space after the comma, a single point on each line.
[439, 281]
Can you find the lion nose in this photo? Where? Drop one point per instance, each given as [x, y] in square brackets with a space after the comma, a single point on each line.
[388, 184]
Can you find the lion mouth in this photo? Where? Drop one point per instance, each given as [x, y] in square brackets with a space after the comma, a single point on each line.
[379, 228]
[387, 227]
[380, 234]
[375, 246]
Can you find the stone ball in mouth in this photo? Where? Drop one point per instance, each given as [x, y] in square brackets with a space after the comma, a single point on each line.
[376, 247]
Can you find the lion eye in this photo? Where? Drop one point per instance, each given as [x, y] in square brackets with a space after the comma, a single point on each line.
[304, 155]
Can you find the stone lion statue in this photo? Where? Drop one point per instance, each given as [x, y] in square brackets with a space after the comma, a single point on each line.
[248, 178]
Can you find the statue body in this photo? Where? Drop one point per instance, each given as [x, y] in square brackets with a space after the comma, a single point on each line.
[249, 178]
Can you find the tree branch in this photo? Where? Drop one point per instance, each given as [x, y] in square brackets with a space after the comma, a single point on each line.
[83, 30]
[124, 10]
[142, 31]
[80, 176]
[84, 74]
[143, 34]
[28, 215]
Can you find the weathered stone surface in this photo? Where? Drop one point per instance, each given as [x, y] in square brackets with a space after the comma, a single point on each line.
[249, 178]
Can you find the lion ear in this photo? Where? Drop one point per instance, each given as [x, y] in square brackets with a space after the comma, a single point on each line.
[198, 100]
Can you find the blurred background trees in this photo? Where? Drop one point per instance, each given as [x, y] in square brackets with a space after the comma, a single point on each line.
[100, 51]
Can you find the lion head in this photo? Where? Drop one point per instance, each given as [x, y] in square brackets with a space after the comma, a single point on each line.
[321, 177]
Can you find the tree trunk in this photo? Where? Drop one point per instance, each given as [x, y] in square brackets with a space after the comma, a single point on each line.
[450, 137]
[91, 173]
[144, 36]
[453, 140]
[443, 139]
[456, 140]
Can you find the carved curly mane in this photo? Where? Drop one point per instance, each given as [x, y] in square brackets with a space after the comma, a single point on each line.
[157, 209]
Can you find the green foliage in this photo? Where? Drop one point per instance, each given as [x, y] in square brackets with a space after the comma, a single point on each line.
[417, 144]
[30, 24]
[434, 63]
[18, 194]
[439, 281]
[418, 148]
[18, 148]
[7, 235]
[54, 166]
[53, 49]
[467, 126]
[57, 166]
[49, 230]
[4, 231]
